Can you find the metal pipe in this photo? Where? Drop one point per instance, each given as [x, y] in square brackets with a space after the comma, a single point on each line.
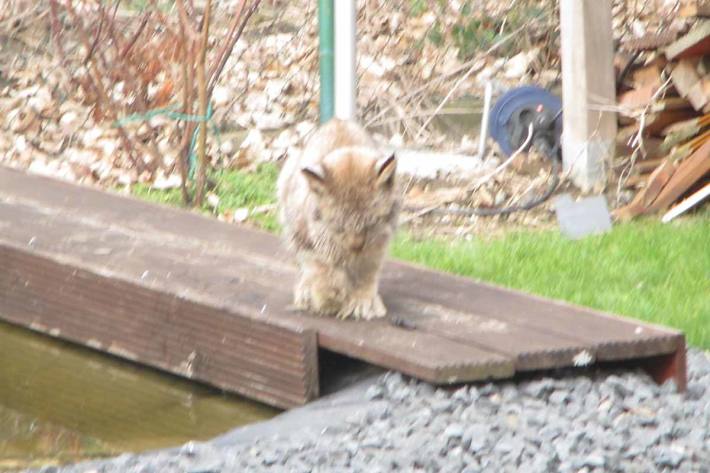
[345, 59]
[325, 45]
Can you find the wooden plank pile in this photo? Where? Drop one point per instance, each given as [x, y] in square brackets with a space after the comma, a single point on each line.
[664, 105]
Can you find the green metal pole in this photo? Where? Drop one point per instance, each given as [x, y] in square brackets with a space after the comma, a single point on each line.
[326, 59]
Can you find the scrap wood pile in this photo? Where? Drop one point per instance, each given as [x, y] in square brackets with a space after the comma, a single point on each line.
[664, 115]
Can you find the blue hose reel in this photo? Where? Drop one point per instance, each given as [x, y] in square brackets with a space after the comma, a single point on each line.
[515, 110]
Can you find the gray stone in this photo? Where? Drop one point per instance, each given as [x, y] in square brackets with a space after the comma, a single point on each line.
[379, 411]
[471, 468]
[539, 388]
[270, 458]
[401, 394]
[473, 393]
[595, 460]
[476, 444]
[695, 391]
[440, 406]
[618, 422]
[541, 464]
[461, 394]
[393, 379]
[376, 391]
[559, 396]
[587, 216]
[668, 457]
[453, 431]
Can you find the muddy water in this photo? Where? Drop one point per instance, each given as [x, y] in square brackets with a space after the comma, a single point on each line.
[60, 403]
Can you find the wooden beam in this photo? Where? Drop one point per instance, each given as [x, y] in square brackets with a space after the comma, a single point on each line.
[588, 90]
[687, 174]
[695, 8]
[695, 43]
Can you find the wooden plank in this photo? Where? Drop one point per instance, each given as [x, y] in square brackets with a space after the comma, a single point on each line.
[647, 75]
[657, 121]
[605, 336]
[656, 182]
[391, 349]
[649, 164]
[650, 41]
[693, 44]
[687, 204]
[259, 288]
[529, 349]
[688, 83]
[695, 8]
[104, 313]
[682, 132]
[588, 90]
[688, 127]
[157, 285]
[638, 97]
[625, 144]
[687, 174]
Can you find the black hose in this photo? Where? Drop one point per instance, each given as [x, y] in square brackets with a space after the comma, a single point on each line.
[551, 153]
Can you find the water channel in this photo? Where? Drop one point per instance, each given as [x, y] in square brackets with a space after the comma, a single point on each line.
[61, 403]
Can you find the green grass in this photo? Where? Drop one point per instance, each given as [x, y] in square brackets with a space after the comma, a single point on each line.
[235, 189]
[646, 270]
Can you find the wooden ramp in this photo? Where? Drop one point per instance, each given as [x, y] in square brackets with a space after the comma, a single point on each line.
[208, 301]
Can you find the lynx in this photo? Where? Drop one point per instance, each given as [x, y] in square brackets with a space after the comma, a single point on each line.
[339, 205]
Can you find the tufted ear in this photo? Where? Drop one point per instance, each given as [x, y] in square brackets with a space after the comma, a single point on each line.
[316, 178]
[385, 169]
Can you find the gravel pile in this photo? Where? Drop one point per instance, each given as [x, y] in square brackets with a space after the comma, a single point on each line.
[595, 421]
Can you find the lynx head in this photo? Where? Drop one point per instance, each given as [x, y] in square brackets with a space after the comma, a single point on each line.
[355, 195]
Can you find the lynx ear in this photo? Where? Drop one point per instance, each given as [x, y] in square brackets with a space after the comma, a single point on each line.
[385, 168]
[315, 176]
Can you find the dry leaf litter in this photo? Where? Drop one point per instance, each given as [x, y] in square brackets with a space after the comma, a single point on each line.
[266, 101]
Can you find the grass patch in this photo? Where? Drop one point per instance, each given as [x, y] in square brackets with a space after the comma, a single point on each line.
[646, 270]
[235, 189]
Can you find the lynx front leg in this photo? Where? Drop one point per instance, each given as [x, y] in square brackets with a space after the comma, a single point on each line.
[364, 302]
[321, 288]
[301, 293]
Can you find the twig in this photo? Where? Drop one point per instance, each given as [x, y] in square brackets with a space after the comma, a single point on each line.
[226, 49]
[136, 35]
[202, 98]
[187, 110]
[97, 37]
[464, 67]
[637, 141]
[231, 41]
[505, 163]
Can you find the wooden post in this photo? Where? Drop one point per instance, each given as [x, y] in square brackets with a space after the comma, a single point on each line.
[589, 133]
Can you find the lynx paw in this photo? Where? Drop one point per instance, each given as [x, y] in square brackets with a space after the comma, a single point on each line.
[366, 308]
[301, 301]
[320, 295]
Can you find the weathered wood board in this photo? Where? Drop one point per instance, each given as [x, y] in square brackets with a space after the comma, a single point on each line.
[210, 301]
